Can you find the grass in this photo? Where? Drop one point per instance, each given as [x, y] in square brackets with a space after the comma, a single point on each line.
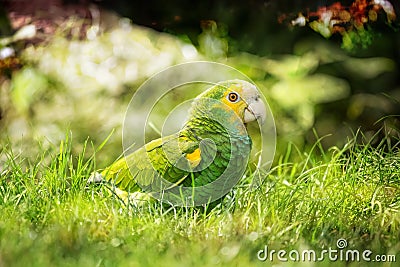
[50, 216]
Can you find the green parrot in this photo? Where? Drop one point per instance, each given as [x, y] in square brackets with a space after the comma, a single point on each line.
[205, 159]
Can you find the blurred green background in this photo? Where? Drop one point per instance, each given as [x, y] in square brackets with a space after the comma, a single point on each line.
[72, 67]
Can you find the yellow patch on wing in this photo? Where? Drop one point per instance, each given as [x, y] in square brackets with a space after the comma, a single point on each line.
[194, 158]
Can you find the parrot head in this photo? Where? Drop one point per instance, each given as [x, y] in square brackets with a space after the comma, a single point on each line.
[236, 96]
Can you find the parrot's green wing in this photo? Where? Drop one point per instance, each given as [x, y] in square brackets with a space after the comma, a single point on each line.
[159, 158]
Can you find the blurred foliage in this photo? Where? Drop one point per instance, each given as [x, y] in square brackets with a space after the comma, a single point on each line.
[26, 86]
[351, 21]
[83, 84]
[213, 40]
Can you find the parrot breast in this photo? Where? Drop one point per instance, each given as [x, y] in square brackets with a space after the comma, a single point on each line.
[225, 152]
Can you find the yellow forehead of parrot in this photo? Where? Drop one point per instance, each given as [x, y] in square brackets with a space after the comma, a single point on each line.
[244, 99]
[236, 95]
[233, 99]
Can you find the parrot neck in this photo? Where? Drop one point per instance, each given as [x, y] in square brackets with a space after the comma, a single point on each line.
[216, 119]
[202, 127]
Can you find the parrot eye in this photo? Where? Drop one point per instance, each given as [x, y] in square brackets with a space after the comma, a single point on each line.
[233, 97]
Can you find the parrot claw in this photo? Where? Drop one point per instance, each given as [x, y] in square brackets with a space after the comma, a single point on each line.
[95, 178]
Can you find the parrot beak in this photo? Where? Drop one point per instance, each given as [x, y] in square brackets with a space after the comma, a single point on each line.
[255, 111]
